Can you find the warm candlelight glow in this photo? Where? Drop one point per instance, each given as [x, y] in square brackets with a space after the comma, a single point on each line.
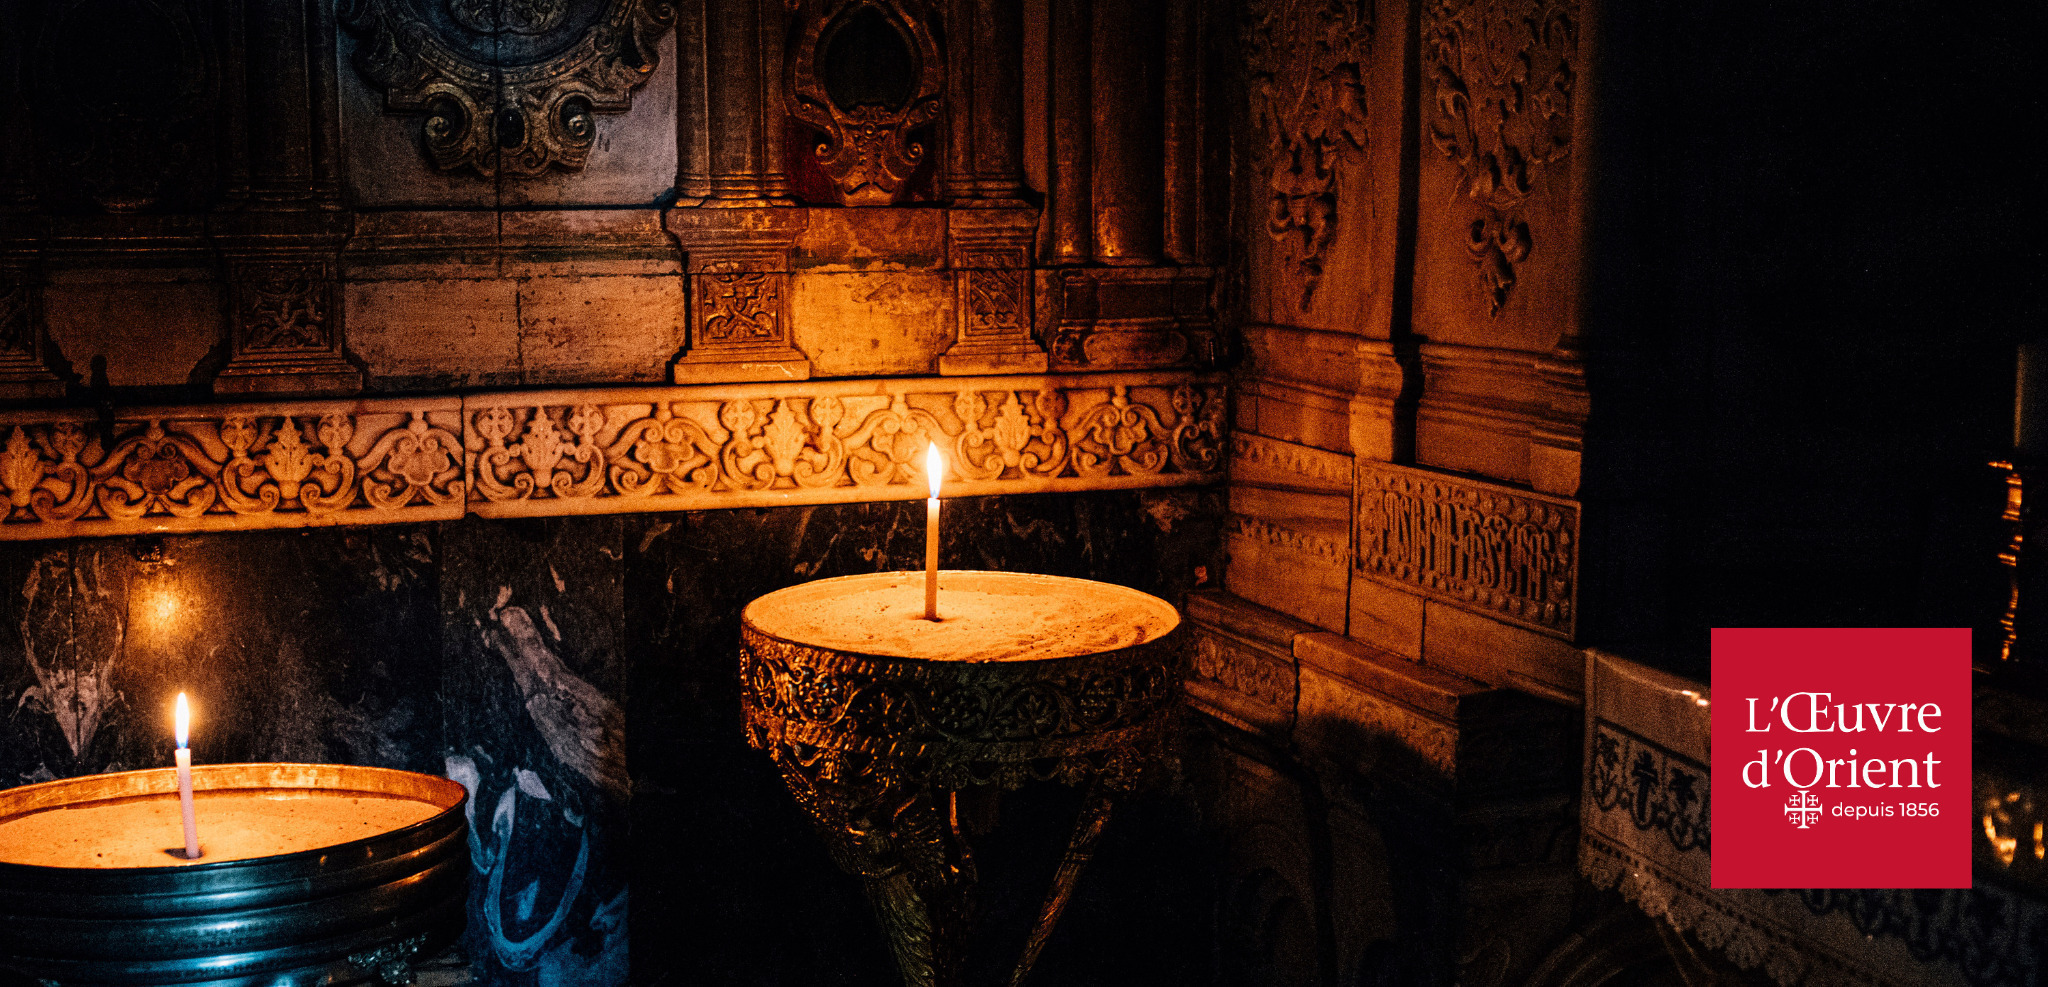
[934, 467]
[183, 718]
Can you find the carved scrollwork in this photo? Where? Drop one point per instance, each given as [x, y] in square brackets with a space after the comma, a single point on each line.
[683, 448]
[1503, 81]
[286, 308]
[508, 86]
[1121, 434]
[1018, 442]
[870, 149]
[1307, 61]
[237, 468]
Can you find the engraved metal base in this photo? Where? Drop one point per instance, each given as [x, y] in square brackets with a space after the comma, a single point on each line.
[878, 750]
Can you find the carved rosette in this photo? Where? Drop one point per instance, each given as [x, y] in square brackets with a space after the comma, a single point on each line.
[231, 468]
[1307, 62]
[1506, 553]
[1503, 84]
[870, 147]
[507, 86]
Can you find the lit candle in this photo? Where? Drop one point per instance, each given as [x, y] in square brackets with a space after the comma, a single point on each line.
[184, 729]
[933, 467]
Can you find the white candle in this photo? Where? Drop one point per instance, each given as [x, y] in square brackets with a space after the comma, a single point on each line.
[933, 468]
[184, 729]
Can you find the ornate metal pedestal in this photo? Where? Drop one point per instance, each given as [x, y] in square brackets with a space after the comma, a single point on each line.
[878, 748]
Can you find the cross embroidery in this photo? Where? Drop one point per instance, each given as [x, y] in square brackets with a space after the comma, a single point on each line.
[1802, 809]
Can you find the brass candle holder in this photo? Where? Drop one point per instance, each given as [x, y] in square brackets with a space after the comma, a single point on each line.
[880, 719]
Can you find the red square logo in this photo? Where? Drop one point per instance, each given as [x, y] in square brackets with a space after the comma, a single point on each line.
[1841, 757]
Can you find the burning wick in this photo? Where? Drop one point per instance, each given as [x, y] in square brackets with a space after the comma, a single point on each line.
[184, 729]
[933, 468]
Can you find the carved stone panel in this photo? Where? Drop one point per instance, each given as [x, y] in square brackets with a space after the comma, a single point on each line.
[1500, 552]
[739, 271]
[1118, 318]
[1289, 529]
[230, 467]
[1501, 79]
[1308, 60]
[24, 342]
[868, 75]
[507, 86]
[285, 326]
[834, 441]
[990, 253]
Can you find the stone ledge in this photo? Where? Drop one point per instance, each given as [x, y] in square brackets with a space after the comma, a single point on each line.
[1362, 709]
[305, 463]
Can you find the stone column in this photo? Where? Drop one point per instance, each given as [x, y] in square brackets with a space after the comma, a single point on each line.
[1125, 68]
[1067, 132]
[729, 69]
[985, 104]
[280, 247]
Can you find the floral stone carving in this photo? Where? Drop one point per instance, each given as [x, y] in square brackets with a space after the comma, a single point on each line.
[1308, 61]
[1503, 81]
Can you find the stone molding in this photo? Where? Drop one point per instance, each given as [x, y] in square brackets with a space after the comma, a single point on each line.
[308, 463]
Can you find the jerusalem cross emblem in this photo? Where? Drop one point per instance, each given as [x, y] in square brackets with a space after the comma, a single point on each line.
[1802, 809]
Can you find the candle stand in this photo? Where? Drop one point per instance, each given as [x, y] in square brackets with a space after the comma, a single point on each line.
[879, 724]
[347, 912]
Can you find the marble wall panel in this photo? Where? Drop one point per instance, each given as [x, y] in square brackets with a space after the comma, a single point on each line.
[535, 679]
[294, 646]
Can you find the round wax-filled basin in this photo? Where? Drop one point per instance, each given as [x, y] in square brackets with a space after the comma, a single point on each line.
[309, 874]
[1017, 667]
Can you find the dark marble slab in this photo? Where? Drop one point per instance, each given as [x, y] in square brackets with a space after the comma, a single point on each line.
[293, 646]
[535, 684]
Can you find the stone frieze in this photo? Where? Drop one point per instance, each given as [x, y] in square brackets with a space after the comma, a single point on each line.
[302, 463]
[1508, 554]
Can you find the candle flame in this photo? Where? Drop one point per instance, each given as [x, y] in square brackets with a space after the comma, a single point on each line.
[934, 467]
[184, 718]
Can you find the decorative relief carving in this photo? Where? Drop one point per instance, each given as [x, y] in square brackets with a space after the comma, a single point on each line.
[511, 86]
[1308, 60]
[1244, 671]
[1320, 547]
[286, 308]
[691, 448]
[203, 469]
[1505, 553]
[1653, 788]
[866, 74]
[737, 306]
[1314, 467]
[288, 464]
[1503, 83]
